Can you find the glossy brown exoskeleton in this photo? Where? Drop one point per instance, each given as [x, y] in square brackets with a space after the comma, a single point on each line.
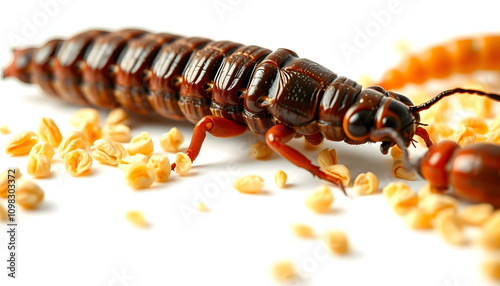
[473, 171]
[223, 87]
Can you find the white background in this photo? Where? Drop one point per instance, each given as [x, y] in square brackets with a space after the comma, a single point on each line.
[79, 236]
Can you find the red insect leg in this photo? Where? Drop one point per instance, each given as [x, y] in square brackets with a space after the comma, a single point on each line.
[217, 127]
[424, 135]
[277, 137]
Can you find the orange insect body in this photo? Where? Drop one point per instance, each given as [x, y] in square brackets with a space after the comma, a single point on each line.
[459, 56]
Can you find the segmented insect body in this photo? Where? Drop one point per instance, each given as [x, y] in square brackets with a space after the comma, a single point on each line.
[460, 56]
[224, 88]
[189, 78]
[473, 171]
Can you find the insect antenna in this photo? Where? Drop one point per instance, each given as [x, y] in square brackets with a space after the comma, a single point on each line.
[428, 104]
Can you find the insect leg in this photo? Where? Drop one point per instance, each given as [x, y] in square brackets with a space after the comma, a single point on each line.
[277, 137]
[424, 135]
[217, 127]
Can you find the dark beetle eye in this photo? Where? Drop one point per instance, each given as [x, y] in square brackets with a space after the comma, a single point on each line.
[359, 123]
[391, 122]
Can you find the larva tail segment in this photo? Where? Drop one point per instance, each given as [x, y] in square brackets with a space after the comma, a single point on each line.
[460, 56]
[177, 77]
[19, 66]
